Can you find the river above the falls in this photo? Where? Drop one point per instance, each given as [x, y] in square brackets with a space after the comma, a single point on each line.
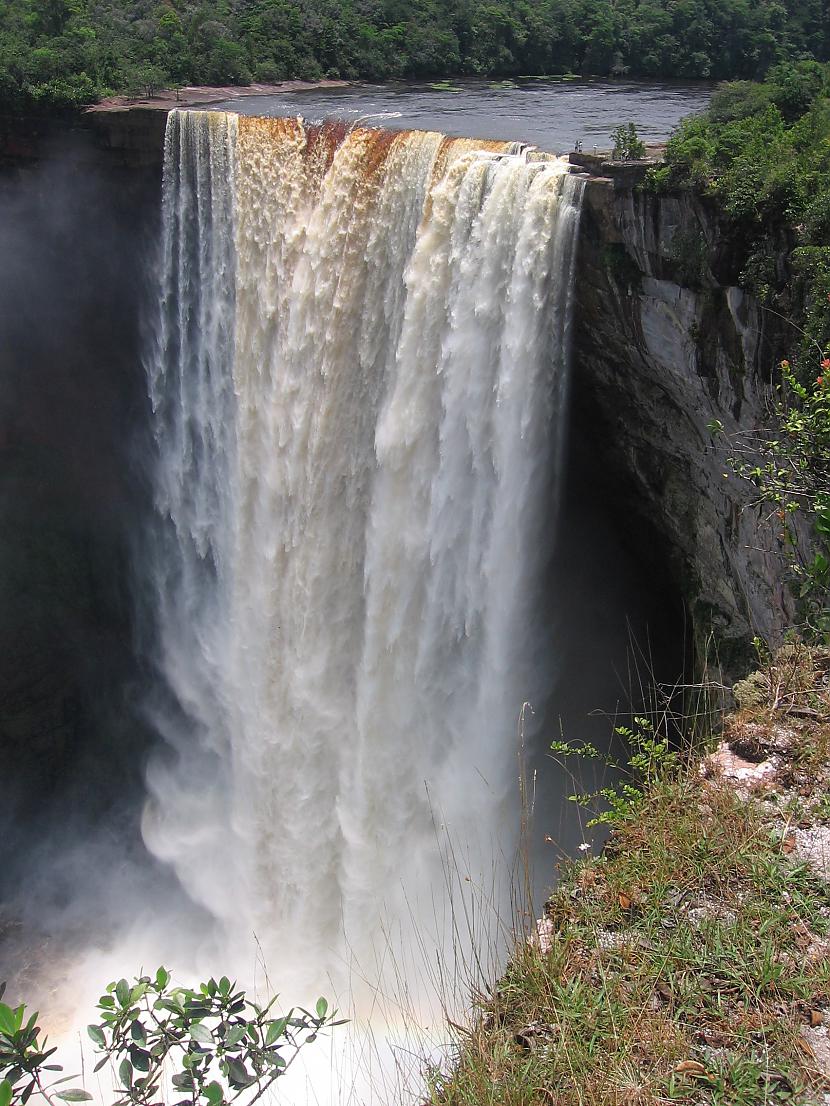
[550, 113]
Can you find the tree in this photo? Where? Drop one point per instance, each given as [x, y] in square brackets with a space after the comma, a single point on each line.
[627, 144]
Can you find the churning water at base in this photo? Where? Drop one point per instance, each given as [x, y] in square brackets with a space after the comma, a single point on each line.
[359, 382]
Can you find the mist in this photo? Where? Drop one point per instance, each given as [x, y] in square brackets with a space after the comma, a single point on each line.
[95, 718]
[75, 235]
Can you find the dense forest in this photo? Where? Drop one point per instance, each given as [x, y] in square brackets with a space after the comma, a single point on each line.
[762, 151]
[65, 53]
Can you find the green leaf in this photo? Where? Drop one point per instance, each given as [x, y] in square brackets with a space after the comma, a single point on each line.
[140, 1058]
[125, 1073]
[276, 1029]
[162, 978]
[5, 1093]
[321, 1007]
[224, 986]
[238, 1075]
[213, 1093]
[235, 1035]
[75, 1095]
[200, 1032]
[122, 992]
[8, 1023]
[96, 1034]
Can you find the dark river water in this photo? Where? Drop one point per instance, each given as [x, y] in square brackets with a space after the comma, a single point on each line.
[551, 114]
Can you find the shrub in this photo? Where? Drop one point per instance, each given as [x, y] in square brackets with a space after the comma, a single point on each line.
[627, 144]
[789, 464]
[738, 100]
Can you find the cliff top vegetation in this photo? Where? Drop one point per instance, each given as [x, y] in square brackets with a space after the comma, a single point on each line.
[61, 54]
[690, 961]
[762, 151]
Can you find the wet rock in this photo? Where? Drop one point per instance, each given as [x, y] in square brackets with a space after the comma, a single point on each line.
[666, 344]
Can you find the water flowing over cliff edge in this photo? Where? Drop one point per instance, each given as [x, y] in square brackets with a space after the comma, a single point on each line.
[307, 687]
[359, 382]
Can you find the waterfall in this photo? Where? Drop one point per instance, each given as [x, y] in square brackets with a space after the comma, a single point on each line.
[359, 381]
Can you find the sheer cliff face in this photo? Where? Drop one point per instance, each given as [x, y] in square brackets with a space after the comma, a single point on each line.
[662, 347]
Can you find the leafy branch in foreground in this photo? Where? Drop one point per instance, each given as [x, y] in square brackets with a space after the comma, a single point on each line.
[212, 1046]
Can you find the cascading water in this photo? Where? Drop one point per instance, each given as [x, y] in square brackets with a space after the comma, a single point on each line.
[359, 382]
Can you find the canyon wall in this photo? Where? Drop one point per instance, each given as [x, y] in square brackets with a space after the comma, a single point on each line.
[666, 343]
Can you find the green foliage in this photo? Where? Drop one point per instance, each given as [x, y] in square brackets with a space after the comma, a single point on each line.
[24, 1056]
[763, 152]
[811, 267]
[627, 144]
[677, 965]
[789, 464]
[92, 47]
[650, 759]
[621, 265]
[213, 1045]
[689, 253]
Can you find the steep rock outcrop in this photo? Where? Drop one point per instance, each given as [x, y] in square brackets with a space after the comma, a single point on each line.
[665, 343]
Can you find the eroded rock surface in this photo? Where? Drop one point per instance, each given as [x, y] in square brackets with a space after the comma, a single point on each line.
[665, 343]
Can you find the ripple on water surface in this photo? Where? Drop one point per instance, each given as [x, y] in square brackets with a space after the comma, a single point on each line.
[551, 114]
